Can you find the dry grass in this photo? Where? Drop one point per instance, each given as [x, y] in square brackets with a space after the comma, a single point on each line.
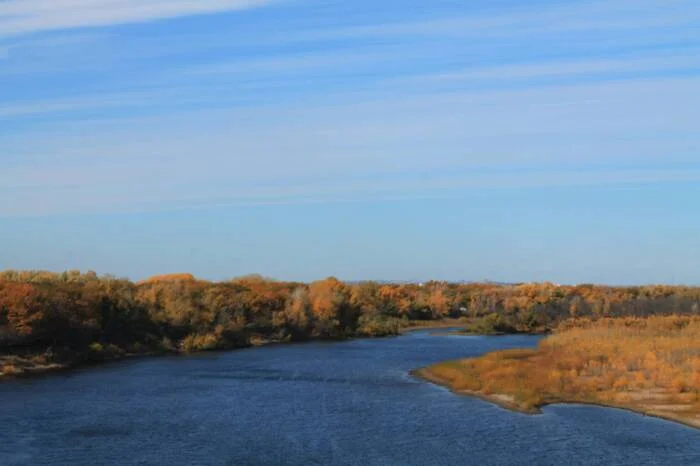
[10, 369]
[410, 325]
[648, 365]
[15, 365]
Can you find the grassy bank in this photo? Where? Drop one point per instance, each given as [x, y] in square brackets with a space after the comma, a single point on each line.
[411, 325]
[651, 366]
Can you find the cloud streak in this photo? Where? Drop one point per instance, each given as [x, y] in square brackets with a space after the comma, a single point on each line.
[532, 19]
[334, 106]
[256, 75]
[28, 16]
[88, 200]
[359, 147]
[570, 68]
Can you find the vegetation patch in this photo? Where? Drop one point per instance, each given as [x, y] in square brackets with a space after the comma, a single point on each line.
[62, 319]
[649, 365]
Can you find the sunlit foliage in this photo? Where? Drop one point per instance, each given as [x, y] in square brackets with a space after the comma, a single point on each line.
[72, 312]
[648, 364]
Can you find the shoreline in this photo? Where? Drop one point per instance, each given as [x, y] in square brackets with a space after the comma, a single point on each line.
[33, 370]
[29, 369]
[502, 400]
[426, 375]
[438, 324]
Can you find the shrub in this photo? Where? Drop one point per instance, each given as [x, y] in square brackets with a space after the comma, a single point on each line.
[207, 342]
[96, 347]
[11, 369]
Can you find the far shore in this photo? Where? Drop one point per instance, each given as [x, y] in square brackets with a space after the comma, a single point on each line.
[508, 401]
[433, 324]
[14, 366]
[31, 364]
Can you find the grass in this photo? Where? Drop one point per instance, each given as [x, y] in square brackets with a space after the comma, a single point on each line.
[651, 366]
[410, 325]
[10, 369]
[18, 365]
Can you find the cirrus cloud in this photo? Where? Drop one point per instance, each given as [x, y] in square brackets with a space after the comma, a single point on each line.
[27, 16]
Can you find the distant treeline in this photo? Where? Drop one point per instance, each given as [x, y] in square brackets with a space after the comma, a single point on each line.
[97, 315]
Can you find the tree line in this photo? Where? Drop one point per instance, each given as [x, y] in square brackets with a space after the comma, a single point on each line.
[97, 315]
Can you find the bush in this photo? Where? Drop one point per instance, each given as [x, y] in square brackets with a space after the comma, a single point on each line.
[96, 348]
[207, 342]
[11, 369]
[377, 326]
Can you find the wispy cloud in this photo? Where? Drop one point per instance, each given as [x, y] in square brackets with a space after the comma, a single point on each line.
[570, 68]
[257, 75]
[111, 199]
[69, 105]
[26, 16]
[361, 146]
[133, 99]
[334, 107]
[302, 62]
[533, 18]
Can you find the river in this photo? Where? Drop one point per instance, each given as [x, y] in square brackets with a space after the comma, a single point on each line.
[351, 403]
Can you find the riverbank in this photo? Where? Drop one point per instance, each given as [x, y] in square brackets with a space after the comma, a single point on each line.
[28, 362]
[32, 364]
[500, 399]
[509, 402]
[430, 324]
[16, 365]
[646, 366]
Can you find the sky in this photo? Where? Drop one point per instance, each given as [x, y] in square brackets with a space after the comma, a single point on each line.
[394, 140]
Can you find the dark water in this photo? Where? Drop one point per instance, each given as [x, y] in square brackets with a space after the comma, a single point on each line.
[320, 403]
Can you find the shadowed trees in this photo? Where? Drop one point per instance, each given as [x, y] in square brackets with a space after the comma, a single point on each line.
[179, 312]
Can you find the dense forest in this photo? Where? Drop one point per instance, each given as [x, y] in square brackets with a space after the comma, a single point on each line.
[83, 316]
[650, 365]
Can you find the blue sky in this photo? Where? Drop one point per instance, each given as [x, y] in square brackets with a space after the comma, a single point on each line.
[500, 139]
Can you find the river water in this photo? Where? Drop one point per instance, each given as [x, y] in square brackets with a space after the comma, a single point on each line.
[348, 403]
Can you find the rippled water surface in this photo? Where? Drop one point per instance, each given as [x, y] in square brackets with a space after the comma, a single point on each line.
[318, 403]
